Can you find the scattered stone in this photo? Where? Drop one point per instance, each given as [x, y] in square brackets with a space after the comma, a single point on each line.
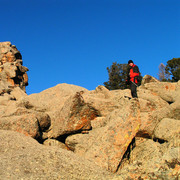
[54, 143]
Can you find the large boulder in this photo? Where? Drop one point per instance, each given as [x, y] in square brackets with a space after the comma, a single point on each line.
[146, 151]
[152, 160]
[150, 101]
[150, 105]
[29, 123]
[81, 143]
[149, 120]
[24, 158]
[107, 145]
[25, 124]
[153, 110]
[171, 156]
[167, 129]
[52, 99]
[102, 100]
[58, 102]
[75, 116]
[19, 118]
[170, 92]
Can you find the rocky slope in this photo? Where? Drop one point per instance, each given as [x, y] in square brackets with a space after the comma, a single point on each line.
[68, 132]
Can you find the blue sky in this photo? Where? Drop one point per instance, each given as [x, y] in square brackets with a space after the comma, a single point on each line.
[74, 41]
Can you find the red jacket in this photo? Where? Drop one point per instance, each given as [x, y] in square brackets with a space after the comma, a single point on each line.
[134, 72]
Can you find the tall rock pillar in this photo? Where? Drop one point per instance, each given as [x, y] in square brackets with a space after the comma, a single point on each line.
[12, 72]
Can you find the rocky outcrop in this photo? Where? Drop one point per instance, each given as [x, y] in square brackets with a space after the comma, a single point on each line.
[167, 129]
[165, 90]
[113, 140]
[75, 115]
[148, 79]
[97, 134]
[12, 73]
[24, 158]
[21, 119]
[152, 160]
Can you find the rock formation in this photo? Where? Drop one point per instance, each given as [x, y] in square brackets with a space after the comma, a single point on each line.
[24, 158]
[68, 132]
[13, 74]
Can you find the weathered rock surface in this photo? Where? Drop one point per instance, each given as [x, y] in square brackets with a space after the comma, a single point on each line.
[76, 115]
[99, 122]
[167, 129]
[24, 158]
[12, 73]
[148, 79]
[153, 101]
[167, 91]
[30, 123]
[54, 143]
[151, 160]
[26, 124]
[107, 146]
[81, 143]
[14, 116]
[149, 120]
[102, 99]
[17, 93]
[136, 138]
[52, 99]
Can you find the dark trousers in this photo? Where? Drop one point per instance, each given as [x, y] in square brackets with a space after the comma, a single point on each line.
[133, 90]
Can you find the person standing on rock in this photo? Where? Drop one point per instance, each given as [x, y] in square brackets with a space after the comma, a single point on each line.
[133, 76]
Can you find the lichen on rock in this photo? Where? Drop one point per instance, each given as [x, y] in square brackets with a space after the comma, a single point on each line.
[12, 72]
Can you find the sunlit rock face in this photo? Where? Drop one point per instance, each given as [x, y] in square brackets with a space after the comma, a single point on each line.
[69, 132]
[12, 72]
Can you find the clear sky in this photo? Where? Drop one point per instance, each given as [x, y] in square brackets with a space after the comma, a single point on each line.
[74, 41]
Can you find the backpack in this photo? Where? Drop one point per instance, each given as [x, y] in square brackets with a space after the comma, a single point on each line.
[138, 78]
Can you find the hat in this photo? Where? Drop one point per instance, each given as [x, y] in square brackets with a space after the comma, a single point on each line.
[130, 61]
